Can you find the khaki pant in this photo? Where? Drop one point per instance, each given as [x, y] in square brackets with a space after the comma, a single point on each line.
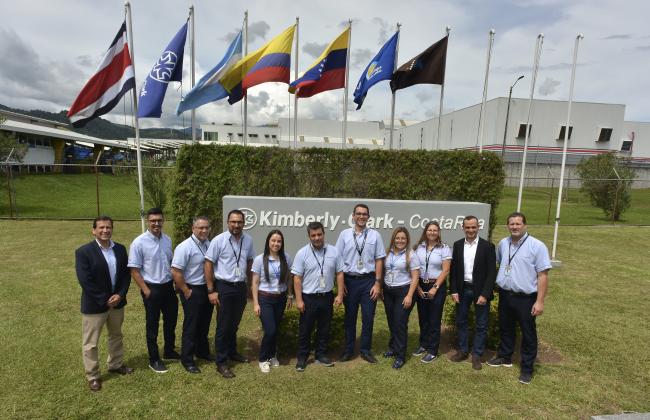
[92, 325]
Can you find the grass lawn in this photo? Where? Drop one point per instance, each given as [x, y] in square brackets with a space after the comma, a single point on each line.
[594, 332]
[68, 196]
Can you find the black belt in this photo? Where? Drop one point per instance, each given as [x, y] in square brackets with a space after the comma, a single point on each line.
[512, 293]
[271, 294]
[234, 283]
[360, 275]
[396, 287]
[168, 284]
[318, 294]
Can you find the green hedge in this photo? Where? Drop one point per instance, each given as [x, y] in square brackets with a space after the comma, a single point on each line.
[204, 174]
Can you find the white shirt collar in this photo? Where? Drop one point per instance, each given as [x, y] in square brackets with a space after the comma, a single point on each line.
[112, 244]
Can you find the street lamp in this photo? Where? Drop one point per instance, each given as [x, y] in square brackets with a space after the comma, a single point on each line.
[505, 130]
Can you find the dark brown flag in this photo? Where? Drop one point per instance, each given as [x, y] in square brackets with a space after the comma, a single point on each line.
[427, 67]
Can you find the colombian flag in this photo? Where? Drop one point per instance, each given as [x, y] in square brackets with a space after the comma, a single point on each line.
[271, 63]
[327, 72]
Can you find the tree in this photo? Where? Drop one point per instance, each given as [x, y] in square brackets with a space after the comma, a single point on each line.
[7, 143]
[156, 181]
[604, 188]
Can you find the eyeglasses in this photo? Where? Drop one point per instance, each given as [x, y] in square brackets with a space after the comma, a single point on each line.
[362, 214]
[236, 222]
[156, 221]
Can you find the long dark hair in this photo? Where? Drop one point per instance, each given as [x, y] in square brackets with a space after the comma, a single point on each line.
[423, 237]
[284, 267]
[391, 246]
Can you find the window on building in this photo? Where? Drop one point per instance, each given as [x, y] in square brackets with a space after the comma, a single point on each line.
[253, 135]
[522, 131]
[605, 134]
[562, 132]
[266, 136]
[240, 135]
[626, 146]
[273, 136]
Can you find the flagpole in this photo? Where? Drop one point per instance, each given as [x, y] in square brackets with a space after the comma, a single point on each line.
[127, 7]
[481, 118]
[442, 96]
[345, 87]
[567, 130]
[538, 53]
[295, 96]
[193, 59]
[245, 96]
[392, 102]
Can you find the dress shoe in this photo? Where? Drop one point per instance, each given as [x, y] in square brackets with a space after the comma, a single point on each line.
[346, 357]
[171, 355]
[459, 356]
[122, 370]
[95, 384]
[238, 358]
[476, 362]
[368, 357]
[398, 363]
[225, 371]
[388, 354]
[206, 357]
[192, 368]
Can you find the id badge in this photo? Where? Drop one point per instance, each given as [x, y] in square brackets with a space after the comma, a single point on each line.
[322, 282]
[508, 269]
[237, 272]
[425, 277]
[359, 263]
[389, 277]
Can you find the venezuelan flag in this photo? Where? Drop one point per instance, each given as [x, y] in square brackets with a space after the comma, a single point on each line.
[271, 63]
[327, 72]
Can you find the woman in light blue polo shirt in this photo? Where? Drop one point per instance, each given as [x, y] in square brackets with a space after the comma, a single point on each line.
[401, 272]
[271, 281]
[435, 260]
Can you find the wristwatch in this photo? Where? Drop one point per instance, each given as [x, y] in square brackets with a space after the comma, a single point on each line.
[211, 291]
[435, 285]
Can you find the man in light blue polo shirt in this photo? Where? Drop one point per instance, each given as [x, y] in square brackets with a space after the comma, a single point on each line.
[150, 258]
[523, 281]
[227, 268]
[362, 250]
[187, 270]
[316, 266]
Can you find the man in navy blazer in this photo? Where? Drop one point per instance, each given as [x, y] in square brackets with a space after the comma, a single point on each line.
[472, 277]
[104, 278]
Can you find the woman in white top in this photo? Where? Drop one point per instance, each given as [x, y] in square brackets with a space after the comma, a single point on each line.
[435, 260]
[401, 270]
[271, 282]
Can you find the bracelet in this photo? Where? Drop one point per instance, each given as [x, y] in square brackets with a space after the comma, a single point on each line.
[289, 296]
[210, 291]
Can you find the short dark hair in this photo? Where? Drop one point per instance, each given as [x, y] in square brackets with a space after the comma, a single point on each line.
[197, 218]
[516, 214]
[154, 210]
[102, 218]
[236, 211]
[468, 218]
[363, 206]
[315, 226]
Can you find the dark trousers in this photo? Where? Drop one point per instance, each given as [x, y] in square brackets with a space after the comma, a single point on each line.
[482, 313]
[430, 317]
[319, 311]
[162, 299]
[358, 294]
[232, 299]
[271, 312]
[196, 324]
[398, 319]
[513, 309]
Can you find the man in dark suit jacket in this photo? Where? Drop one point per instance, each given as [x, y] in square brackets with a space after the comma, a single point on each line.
[472, 277]
[104, 279]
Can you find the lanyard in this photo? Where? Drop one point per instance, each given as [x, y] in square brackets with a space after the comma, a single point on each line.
[428, 255]
[510, 257]
[233, 249]
[393, 261]
[356, 244]
[198, 245]
[275, 266]
[321, 266]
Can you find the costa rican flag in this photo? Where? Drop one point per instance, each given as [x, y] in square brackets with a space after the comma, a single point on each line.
[112, 79]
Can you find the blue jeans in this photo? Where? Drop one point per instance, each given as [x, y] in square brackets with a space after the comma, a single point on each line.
[271, 312]
[482, 313]
[358, 289]
[430, 317]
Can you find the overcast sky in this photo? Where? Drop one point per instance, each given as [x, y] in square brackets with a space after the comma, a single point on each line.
[51, 48]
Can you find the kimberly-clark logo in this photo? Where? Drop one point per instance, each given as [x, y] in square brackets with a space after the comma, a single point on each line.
[250, 217]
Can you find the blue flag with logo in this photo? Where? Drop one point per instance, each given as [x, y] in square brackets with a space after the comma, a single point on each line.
[380, 68]
[208, 89]
[168, 68]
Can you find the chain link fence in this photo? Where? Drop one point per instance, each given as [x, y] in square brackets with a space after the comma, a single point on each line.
[83, 191]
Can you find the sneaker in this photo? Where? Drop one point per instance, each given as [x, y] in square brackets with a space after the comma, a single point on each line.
[428, 358]
[459, 356]
[398, 363]
[419, 352]
[369, 357]
[325, 361]
[274, 362]
[525, 378]
[499, 361]
[388, 354]
[301, 364]
[265, 366]
[476, 362]
[158, 366]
